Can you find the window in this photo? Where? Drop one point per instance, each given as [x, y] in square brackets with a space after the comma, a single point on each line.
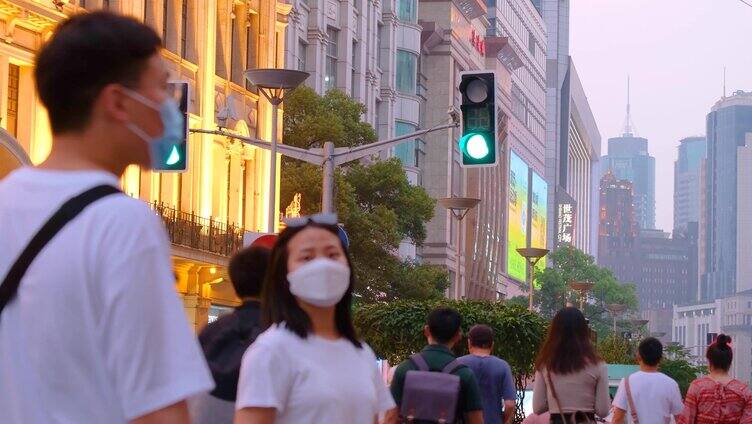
[407, 10]
[354, 67]
[406, 151]
[407, 68]
[184, 28]
[302, 52]
[165, 20]
[330, 75]
[277, 57]
[234, 57]
[251, 37]
[380, 44]
[14, 72]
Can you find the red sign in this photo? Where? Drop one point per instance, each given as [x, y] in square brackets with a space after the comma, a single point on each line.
[477, 41]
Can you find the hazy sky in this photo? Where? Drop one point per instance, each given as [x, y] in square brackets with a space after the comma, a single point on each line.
[674, 52]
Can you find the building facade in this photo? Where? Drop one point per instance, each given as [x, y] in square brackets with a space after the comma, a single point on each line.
[695, 326]
[224, 193]
[583, 156]
[728, 124]
[691, 153]
[628, 159]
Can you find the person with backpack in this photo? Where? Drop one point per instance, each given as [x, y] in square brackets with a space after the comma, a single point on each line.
[433, 386]
[91, 327]
[571, 381]
[647, 396]
[310, 366]
[718, 398]
[225, 340]
[494, 376]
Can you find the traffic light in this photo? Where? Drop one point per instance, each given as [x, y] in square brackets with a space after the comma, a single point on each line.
[478, 141]
[177, 158]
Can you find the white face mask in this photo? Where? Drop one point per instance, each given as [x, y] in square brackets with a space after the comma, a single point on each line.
[320, 282]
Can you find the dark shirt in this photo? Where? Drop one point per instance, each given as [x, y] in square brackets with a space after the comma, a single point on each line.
[437, 357]
[224, 342]
[496, 384]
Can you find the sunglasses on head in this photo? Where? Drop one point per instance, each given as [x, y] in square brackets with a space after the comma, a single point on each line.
[319, 218]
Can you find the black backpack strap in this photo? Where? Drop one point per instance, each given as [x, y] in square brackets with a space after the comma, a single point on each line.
[420, 362]
[451, 367]
[66, 213]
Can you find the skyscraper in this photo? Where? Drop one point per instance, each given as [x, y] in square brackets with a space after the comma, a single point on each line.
[617, 227]
[728, 123]
[692, 151]
[628, 159]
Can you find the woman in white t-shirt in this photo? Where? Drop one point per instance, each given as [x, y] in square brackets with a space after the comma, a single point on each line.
[310, 366]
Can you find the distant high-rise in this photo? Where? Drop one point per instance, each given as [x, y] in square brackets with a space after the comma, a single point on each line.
[617, 226]
[628, 159]
[692, 151]
[728, 124]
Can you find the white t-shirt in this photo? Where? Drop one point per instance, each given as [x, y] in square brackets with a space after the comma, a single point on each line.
[656, 397]
[96, 333]
[312, 380]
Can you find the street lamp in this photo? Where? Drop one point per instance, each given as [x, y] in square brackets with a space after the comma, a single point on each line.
[459, 206]
[638, 324]
[532, 255]
[582, 287]
[272, 84]
[616, 309]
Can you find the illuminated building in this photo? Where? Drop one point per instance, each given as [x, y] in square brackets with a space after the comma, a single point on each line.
[224, 193]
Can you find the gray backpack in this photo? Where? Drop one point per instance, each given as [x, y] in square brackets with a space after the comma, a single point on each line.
[430, 396]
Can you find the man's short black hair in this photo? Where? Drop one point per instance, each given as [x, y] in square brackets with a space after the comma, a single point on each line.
[651, 351]
[247, 269]
[481, 336]
[444, 323]
[86, 53]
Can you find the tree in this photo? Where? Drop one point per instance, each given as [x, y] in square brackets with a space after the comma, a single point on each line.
[395, 331]
[570, 264]
[376, 203]
[617, 350]
[677, 365]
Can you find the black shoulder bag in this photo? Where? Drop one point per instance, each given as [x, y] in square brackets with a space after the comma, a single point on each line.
[67, 212]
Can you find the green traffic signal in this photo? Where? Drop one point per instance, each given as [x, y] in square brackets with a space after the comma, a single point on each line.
[174, 156]
[478, 141]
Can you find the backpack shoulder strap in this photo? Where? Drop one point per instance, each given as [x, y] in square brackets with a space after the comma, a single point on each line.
[66, 213]
[420, 362]
[453, 366]
[630, 401]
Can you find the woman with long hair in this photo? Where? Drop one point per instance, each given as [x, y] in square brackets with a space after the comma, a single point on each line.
[717, 398]
[571, 381]
[310, 366]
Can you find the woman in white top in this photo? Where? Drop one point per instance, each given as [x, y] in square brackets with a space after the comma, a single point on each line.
[310, 366]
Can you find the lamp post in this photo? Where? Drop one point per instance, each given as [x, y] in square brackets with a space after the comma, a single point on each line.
[583, 288]
[532, 255]
[638, 324]
[459, 206]
[272, 84]
[616, 309]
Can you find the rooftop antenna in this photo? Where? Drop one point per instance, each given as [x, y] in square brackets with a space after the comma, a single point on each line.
[629, 129]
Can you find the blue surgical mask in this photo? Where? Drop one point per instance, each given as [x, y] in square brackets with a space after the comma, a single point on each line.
[173, 123]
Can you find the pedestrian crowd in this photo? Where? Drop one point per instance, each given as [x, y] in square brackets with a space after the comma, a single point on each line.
[92, 331]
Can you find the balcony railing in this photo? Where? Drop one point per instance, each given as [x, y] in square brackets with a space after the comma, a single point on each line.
[196, 232]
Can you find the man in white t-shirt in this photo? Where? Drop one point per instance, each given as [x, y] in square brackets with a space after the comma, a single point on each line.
[96, 332]
[655, 397]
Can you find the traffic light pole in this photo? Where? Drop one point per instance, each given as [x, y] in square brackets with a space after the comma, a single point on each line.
[329, 157]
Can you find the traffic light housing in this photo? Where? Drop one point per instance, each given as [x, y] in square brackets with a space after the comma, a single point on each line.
[478, 143]
[177, 158]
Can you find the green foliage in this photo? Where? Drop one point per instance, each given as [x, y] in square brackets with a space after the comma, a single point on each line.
[375, 202]
[310, 120]
[395, 330]
[617, 350]
[570, 264]
[519, 301]
[676, 364]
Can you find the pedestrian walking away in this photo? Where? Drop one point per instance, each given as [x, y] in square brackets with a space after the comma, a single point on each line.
[571, 381]
[225, 340]
[433, 386]
[494, 376]
[717, 397]
[310, 366]
[647, 396]
[92, 330]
